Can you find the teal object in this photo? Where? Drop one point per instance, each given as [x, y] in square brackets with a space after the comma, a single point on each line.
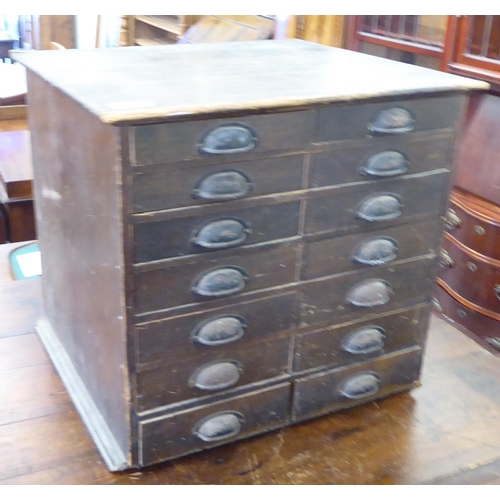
[18, 266]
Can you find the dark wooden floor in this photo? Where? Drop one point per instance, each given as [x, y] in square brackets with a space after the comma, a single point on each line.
[447, 431]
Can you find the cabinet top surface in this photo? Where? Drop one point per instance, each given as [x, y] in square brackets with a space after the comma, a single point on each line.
[148, 84]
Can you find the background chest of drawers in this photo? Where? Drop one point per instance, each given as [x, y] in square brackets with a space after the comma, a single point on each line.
[249, 247]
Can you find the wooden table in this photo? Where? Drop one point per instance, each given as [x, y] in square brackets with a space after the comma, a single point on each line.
[13, 87]
[447, 431]
[16, 175]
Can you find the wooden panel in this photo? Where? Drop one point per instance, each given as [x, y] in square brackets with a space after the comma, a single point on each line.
[421, 195]
[401, 330]
[167, 287]
[335, 256]
[344, 164]
[82, 243]
[167, 143]
[174, 238]
[22, 225]
[3, 225]
[170, 383]
[172, 337]
[325, 300]
[350, 122]
[59, 29]
[322, 393]
[162, 187]
[172, 436]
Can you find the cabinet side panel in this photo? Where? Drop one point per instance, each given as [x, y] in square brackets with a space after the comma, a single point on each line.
[77, 186]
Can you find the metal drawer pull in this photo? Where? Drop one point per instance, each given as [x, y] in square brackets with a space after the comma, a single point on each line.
[216, 375]
[385, 164]
[494, 342]
[380, 208]
[222, 233]
[444, 260]
[370, 293]
[221, 186]
[376, 252]
[365, 340]
[220, 330]
[219, 426]
[220, 282]
[436, 304]
[392, 121]
[361, 385]
[451, 221]
[497, 291]
[228, 139]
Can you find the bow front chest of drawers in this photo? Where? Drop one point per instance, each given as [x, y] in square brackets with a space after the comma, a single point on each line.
[235, 237]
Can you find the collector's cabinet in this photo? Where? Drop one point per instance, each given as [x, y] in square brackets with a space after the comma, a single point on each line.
[247, 245]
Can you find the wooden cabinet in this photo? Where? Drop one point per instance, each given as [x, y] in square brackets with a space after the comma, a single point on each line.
[210, 271]
[158, 30]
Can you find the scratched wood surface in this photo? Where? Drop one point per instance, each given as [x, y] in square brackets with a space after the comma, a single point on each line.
[447, 431]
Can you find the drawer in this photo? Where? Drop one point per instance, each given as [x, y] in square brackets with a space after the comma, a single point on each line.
[163, 438]
[371, 205]
[360, 251]
[381, 158]
[345, 387]
[370, 291]
[388, 118]
[233, 138]
[471, 276]
[341, 345]
[212, 277]
[176, 237]
[212, 373]
[188, 336]
[163, 187]
[482, 326]
[475, 225]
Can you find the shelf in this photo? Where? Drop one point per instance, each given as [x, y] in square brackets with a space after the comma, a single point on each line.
[162, 23]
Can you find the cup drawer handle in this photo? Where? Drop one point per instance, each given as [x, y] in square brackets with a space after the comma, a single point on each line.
[216, 376]
[221, 186]
[370, 293]
[444, 260]
[219, 426]
[222, 233]
[392, 121]
[361, 385]
[219, 330]
[220, 282]
[366, 340]
[496, 289]
[228, 139]
[380, 207]
[385, 164]
[376, 251]
[451, 221]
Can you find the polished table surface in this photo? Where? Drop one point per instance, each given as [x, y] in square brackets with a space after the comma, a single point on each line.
[447, 431]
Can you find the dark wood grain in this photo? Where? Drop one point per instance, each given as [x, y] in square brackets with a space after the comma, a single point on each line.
[173, 238]
[83, 302]
[162, 187]
[16, 167]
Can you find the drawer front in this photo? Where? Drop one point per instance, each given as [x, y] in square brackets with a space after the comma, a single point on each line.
[185, 185]
[362, 340]
[475, 322]
[212, 373]
[208, 233]
[370, 291]
[212, 331]
[380, 158]
[472, 278]
[371, 205]
[474, 231]
[369, 250]
[185, 432]
[234, 138]
[212, 278]
[345, 387]
[388, 118]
